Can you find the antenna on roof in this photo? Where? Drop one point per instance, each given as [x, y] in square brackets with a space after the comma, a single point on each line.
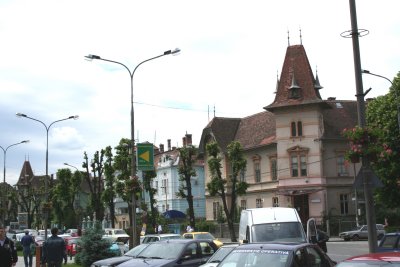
[208, 112]
[214, 110]
[288, 38]
[301, 40]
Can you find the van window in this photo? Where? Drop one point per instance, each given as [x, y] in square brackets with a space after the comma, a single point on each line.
[287, 231]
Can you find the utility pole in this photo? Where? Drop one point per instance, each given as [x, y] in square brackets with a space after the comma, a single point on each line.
[365, 164]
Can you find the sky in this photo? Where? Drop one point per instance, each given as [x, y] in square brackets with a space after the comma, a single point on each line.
[231, 55]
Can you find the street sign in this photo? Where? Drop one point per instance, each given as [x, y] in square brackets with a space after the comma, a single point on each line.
[145, 157]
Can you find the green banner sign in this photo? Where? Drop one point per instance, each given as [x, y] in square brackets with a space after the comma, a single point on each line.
[145, 157]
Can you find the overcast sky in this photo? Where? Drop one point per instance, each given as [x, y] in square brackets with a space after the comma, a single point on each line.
[232, 52]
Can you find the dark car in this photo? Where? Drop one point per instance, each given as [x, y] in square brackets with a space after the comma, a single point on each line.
[277, 255]
[389, 242]
[390, 259]
[114, 261]
[174, 252]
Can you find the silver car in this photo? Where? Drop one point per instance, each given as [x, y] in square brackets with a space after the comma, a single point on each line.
[362, 233]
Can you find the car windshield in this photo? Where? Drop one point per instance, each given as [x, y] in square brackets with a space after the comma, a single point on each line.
[136, 250]
[119, 232]
[288, 231]
[255, 258]
[204, 236]
[220, 254]
[163, 250]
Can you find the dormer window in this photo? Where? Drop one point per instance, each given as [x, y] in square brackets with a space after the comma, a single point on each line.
[294, 89]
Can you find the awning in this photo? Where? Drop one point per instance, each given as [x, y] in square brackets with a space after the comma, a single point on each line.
[174, 214]
[298, 191]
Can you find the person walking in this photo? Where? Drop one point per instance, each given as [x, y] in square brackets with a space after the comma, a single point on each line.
[54, 250]
[8, 253]
[26, 242]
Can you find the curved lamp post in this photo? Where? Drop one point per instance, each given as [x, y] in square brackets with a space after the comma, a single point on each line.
[21, 115]
[395, 93]
[133, 162]
[5, 154]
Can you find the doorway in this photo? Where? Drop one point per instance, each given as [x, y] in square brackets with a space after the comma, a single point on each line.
[300, 203]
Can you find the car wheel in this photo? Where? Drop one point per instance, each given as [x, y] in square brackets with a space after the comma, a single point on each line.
[355, 238]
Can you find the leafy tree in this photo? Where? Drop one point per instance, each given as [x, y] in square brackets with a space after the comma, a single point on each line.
[63, 196]
[186, 170]
[225, 187]
[109, 192]
[126, 186]
[29, 199]
[94, 178]
[381, 114]
[93, 247]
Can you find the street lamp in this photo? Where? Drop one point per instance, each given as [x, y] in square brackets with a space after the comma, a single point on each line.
[5, 154]
[4, 173]
[66, 164]
[133, 161]
[395, 93]
[47, 157]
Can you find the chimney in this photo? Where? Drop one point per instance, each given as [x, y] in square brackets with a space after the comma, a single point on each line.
[189, 139]
[183, 141]
[162, 148]
[169, 144]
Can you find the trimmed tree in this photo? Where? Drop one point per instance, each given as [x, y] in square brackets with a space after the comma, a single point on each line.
[225, 187]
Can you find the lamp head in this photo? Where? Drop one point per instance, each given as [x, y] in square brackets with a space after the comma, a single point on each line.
[25, 141]
[75, 117]
[91, 57]
[20, 115]
[172, 52]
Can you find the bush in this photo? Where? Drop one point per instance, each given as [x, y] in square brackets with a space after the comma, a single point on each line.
[92, 247]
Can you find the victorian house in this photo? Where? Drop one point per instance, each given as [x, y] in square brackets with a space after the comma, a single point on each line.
[294, 148]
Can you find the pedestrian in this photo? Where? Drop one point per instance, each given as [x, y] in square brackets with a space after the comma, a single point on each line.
[8, 252]
[26, 242]
[159, 229]
[54, 250]
[189, 229]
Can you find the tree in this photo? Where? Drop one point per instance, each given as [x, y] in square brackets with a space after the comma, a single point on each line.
[381, 114]
[126, 186]
[109, 192]
[29, 199]
[228, 186]
[148, 177]
[186, 170]
[63, 195]
[94, 178]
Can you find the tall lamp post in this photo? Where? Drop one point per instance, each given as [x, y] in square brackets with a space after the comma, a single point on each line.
[21, 115]
[133, 161]
[395, 93]
[4, 173]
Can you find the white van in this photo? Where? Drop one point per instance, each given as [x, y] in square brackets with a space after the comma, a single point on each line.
[274, 224]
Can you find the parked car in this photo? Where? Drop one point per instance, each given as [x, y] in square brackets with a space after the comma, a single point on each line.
[114, 246]
[372, 259]
[158, 237]
[114, 261]
[174, 252]
[117, 235]
[362, 233]
[219, 255]
[71, 232]
[202, 235]
[277, 255]
[389, 242]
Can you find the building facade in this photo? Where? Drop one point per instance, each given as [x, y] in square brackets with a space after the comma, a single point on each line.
[294, 149]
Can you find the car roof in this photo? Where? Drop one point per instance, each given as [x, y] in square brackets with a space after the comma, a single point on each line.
[162, 235]
[274, 245]
[380, 256]
[184, 241]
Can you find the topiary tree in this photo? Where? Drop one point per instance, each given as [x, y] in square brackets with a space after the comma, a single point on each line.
[92, 247]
